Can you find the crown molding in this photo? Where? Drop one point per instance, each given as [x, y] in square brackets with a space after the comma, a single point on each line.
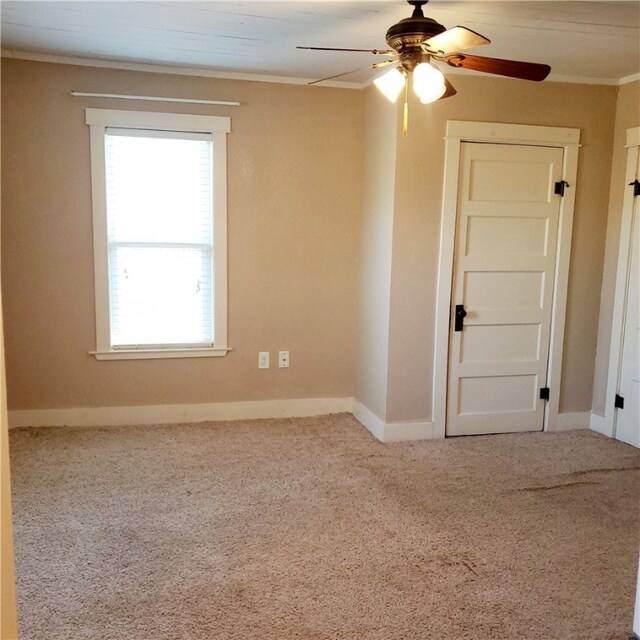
[169, 69]
[629, 79]
[253, 77]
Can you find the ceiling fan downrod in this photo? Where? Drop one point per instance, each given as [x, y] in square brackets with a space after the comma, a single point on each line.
[417, 7]
[405, 37]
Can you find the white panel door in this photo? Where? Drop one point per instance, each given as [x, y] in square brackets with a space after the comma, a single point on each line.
[628, 418]
[504, 265]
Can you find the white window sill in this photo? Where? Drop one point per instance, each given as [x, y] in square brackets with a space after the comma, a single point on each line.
[149, 354]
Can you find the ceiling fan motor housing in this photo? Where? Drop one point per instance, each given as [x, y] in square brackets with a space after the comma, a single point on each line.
[406, 36]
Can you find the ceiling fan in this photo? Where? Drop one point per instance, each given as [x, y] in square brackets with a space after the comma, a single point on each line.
[415, 42]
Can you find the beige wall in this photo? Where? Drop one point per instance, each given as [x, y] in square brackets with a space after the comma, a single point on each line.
[627, 117]
[416, 226]
[374, 253]
[318, 179]
[295, 165]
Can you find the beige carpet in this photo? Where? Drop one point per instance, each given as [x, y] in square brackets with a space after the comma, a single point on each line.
[296, 529]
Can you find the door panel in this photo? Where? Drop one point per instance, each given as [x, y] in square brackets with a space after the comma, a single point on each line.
[499, 234]
[503, 290]
[492, 343]
[504, 265]
[527, 180]
[480, 395]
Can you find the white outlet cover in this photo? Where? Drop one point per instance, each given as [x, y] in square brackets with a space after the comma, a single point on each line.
[283, 359]
[263, 360]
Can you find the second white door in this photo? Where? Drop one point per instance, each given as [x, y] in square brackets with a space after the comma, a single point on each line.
[627, 417]
[502, 293]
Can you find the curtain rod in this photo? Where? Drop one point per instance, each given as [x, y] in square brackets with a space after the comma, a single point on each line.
[83, 94]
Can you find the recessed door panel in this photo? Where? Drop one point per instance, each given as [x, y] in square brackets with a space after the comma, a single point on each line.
[523, 180]
[496, 394]
[504, 290]
[500, 343]
[506, 235]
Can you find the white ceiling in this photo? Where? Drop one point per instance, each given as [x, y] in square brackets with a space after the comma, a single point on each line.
[588, 41]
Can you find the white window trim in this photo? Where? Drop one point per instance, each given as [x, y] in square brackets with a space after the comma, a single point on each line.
[98, 120]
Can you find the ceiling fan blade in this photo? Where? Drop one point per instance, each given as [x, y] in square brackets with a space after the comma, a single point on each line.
[384, 63]
[339, 75]
[454, 39]
[376, 65]
[510, 68]
[377, 52]
[450, 91]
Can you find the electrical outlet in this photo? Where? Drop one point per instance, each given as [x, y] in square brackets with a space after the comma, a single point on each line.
[263, 360]
[283, 359]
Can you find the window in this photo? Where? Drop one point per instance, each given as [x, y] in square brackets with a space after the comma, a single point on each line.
[159, 213]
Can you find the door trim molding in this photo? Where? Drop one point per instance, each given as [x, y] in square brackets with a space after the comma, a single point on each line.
[458, 132]
[624, 256]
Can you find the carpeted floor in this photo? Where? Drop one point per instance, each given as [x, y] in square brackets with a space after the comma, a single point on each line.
[310, 529]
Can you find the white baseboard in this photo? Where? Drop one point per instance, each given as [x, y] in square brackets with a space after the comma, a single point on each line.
[369, 420]
[296, 408]
[178, 413]
[597, 423]
[404, 431]
[391, 431]
[571, 421]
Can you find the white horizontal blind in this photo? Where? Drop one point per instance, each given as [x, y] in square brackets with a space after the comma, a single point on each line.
[159, 197]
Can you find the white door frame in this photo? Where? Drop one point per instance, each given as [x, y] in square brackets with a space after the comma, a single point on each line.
[619, 306]
[458, 132]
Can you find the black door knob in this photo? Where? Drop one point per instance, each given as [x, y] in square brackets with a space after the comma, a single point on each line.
[461, 314]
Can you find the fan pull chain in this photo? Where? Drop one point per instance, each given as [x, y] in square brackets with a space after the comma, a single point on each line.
[405, 112]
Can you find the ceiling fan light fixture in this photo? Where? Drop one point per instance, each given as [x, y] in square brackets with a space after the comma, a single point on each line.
[417, 41]
[391, 84]
[428, 83]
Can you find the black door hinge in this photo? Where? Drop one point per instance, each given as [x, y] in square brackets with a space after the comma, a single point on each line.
[544, 393]
[558, 187]
[618, 402]
[636, 187]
